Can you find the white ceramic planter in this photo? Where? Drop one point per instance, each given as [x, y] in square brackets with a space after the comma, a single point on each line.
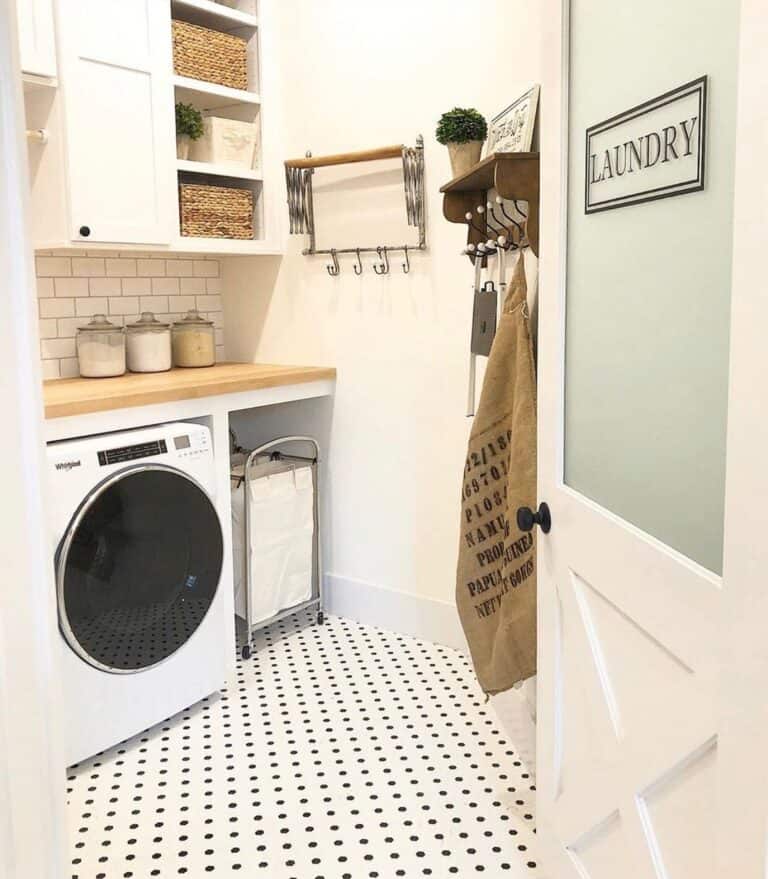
[464, 155]
[183, 142]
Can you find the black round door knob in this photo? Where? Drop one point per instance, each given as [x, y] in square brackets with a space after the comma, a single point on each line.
[526, 518]
[85, 231]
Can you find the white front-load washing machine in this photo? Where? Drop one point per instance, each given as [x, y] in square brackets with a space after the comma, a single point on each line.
[146, 630]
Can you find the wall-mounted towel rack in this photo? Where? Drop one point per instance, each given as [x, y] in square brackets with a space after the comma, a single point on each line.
[298, 178]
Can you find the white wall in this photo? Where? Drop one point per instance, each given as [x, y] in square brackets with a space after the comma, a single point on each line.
[357, 75]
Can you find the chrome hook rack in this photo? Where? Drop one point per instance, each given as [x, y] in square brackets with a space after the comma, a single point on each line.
[383, 267]
[333, 269]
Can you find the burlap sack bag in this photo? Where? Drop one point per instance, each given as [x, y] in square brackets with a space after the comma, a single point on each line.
[496, 577]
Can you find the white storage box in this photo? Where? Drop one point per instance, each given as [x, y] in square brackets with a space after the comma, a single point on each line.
[280, 538]
[228, 142]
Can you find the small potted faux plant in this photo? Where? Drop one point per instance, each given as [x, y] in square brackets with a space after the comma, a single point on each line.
[189, 127]
[463, 131]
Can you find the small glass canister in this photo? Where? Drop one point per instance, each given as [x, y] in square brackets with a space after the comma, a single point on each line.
[148, 344]
[100, 348]
[194, 341]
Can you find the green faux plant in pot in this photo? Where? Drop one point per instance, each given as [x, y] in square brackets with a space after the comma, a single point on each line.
[463, 131]
[189, 127]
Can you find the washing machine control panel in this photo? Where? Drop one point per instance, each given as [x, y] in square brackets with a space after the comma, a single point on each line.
[183, 445]
[131, 453]
[191, 445]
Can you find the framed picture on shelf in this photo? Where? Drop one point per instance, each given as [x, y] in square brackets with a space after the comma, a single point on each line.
[512, 130]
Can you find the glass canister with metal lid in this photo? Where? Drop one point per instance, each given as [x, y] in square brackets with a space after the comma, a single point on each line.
[148, 344]
[100, 348]
[194, 341]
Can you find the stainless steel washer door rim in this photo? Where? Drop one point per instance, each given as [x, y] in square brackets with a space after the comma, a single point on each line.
[138, 568]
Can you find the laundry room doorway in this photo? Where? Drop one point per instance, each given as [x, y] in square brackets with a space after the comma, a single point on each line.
[649, 363]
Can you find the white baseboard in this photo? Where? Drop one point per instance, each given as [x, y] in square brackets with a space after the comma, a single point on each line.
[402, 612]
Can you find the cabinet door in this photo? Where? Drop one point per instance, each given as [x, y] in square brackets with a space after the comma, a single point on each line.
[116, 70]
[36, 42]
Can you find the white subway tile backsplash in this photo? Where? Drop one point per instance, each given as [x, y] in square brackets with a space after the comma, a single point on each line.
[104, 287]
[121, 268]
[208, 303]
[68, 367]
[45, 289]
[206, 268]
[92, 305]
[57, 307]
[137, 286]
[55, 349]
[124, 305]
[50, 369]
[70, 286]
[88, 267]
[192, 285]
[53, 266]
[48, 328]
[153, 303]
[73, 285]
[68, 326]
[150, 268]
[179, 268]
[165, 286]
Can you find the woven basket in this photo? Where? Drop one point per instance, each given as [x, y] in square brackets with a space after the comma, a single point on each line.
[201, 53]
[215, 211]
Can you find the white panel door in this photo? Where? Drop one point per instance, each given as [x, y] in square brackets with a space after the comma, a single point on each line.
[116, 59]
[37, 46]
[639, 623]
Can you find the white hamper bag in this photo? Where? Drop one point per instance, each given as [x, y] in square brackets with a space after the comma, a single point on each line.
[280, 539]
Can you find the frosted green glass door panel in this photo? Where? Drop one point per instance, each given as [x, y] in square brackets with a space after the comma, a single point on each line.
[648, 285]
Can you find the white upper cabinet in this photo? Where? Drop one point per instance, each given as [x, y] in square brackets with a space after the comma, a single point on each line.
[107, 174]
[37, 45]
[119, 124]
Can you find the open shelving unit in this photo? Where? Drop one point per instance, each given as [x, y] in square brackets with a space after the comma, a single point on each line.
[233, 172]
[215, 15]
[210, 95]
[514, 176]
[230, 103]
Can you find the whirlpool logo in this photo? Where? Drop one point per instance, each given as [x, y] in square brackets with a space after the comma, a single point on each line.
[68, 465]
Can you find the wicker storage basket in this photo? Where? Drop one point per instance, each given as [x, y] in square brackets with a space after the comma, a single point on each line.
[201, 53]
[215, 211]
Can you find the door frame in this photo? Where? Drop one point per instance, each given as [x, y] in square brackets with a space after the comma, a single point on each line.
[743, 708]
[742, 651]
[31, 762]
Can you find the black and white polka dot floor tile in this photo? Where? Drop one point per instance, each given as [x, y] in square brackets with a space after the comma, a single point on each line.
[338, 752]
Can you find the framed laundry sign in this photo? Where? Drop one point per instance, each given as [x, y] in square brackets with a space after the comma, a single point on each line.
[654, 150]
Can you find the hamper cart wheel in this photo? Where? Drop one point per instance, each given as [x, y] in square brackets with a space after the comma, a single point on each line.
[246, 651]
[320, 618]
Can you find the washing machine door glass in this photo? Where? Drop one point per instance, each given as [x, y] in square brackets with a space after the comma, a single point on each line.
[138, 568]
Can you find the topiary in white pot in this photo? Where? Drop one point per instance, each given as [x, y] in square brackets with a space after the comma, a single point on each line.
[463, 131]
[189, 127]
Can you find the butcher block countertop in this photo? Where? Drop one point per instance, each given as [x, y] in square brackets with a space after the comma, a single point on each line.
[77, 396]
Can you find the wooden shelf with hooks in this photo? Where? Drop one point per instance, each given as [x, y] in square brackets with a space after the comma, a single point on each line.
[512, 175]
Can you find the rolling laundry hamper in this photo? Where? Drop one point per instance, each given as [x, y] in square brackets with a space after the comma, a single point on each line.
[276, 534]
